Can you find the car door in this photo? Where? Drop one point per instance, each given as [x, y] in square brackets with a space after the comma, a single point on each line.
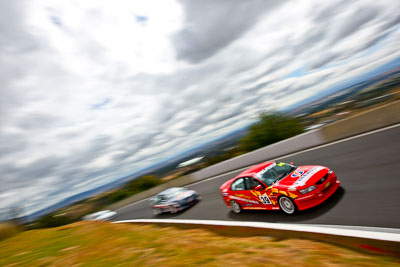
[258, 196]
[240, 194]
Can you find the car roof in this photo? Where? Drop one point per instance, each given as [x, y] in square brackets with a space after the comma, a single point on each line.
[170, 190]
[254, 169]
[99, 213]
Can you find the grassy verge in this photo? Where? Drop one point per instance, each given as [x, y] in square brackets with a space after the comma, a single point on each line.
[106, 244]
[8, 230]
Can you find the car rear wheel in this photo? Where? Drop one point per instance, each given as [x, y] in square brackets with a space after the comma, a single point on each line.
[173, 210]
[157, 211]
[235, 207]
[287, 205]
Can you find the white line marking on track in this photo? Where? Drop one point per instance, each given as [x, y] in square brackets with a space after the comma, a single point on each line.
[320, 229]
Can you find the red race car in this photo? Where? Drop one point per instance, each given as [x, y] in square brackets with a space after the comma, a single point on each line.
[278, 185]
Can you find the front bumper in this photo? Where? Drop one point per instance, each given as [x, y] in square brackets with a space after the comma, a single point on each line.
[319, 195]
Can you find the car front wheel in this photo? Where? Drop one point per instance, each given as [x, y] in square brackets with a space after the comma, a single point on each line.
[287, 205]
[235, 207]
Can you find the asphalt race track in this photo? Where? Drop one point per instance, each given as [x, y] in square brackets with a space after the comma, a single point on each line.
[368, 167]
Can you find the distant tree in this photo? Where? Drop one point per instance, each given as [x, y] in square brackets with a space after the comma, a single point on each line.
[215, 159]
[234, 152]
[271, 128]
[53, 220]
[133, 187]
[118, 195]
[143, 183]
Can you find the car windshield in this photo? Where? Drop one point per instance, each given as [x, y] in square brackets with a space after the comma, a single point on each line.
[274, 172]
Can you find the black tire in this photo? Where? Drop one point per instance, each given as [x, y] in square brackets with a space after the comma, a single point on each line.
[287, 205]
[235, 207]
[156, 211]
[172, 209]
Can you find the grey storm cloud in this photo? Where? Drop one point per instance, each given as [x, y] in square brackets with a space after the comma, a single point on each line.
[321, 13]
[354, 22]
[40, 168]
[14, 37]
[122, 156]
[14, 177]
[93, 149]
[10, 143]
[35, 121]
[311, 38]
[322, 60]
[213, 24]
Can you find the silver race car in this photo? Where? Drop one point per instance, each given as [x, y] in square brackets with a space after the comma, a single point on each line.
[173, 200]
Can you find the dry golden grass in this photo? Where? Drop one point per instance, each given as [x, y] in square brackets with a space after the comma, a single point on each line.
[106, 244]
[8, 230]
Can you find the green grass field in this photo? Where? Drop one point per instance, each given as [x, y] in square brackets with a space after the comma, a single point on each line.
[106, 244]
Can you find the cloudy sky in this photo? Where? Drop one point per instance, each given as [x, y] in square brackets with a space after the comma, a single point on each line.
[94, 90]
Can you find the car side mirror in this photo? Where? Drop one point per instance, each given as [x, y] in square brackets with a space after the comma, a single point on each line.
[258, 187]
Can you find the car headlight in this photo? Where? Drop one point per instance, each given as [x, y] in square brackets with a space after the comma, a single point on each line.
[307, 190]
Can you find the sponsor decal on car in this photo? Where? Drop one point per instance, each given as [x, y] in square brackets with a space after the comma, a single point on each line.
[303, 179]
[297, 174]
[244, 199]
[255, 208]
[282, 192]
[293, 196]
[242, 196]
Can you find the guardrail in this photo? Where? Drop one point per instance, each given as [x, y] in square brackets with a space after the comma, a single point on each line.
[364, 122]
[377, 242]
[370, 120]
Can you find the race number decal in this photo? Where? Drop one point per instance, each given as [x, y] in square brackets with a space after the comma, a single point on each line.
[303, 179]
[265, 199]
